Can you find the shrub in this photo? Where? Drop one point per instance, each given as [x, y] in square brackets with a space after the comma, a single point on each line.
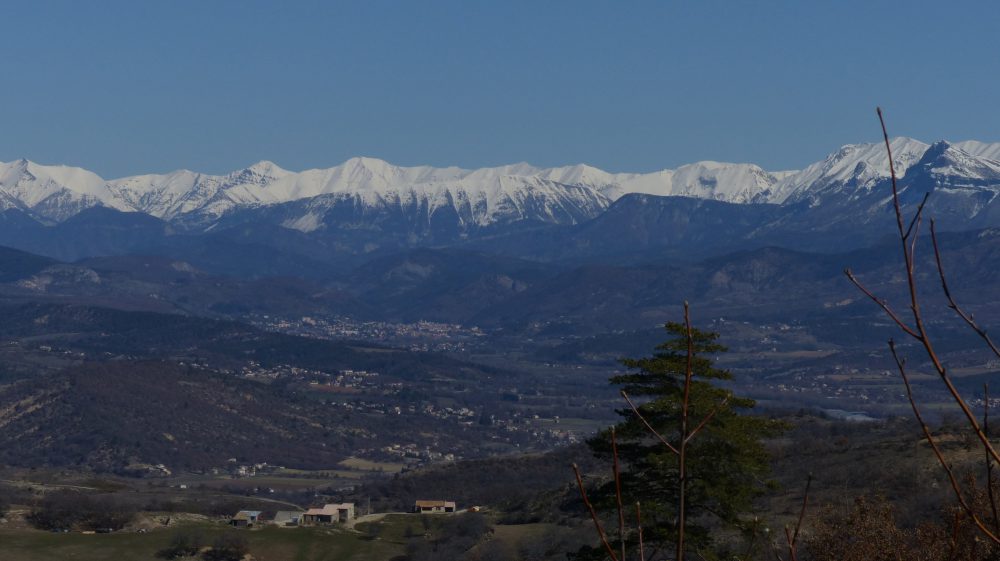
[227, 547]
[183, 543]
[64, 510]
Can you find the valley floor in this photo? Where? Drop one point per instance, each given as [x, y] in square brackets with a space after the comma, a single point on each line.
[18, 542]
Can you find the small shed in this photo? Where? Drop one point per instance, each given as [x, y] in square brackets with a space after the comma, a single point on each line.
[245, 518]
[434, 506]
[288, 517]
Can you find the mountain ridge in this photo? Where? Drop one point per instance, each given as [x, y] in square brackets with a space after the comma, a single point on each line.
[53, 193]
[267, 219]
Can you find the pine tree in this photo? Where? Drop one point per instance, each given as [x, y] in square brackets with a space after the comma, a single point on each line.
[726, 464]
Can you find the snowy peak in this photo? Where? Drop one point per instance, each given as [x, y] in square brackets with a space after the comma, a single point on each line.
[952, 166]
[367, 173]
[265, 168]
[32, 182]
[180, 192]
[854, 167]
[354, 175]
[580, 174]
[56, 192]
[964, 187]
[164, 195]
[736, 183]
[261, 173]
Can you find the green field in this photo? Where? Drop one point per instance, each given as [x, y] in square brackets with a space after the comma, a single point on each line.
[347, 472]
[271, 544]
[368, 465]
[273, 481]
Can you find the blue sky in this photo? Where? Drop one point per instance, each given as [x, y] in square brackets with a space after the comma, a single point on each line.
[138, 87]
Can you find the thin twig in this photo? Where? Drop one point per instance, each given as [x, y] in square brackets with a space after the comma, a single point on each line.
[892, 174]
[682, 456]
[791, 544]
[752, 542]
[916, 217]
[989, 461]
[793, 537]
[648, 426]
[913, 244]
[638, 526]
[593, 515]
[919, 331]
[956, 487]
[707, 419]
[777, 553]
[618, 492]
[967, 318]
[802, 512]
[954, 535]
[882, 303]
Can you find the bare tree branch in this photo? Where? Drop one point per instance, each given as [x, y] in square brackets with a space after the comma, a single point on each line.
[989, 461]
[883, 304]
[911, 258]
[919, 331]
[593, 515]
[682, 455]
[916, 217]
[648, 426]
[618, 492]
[777, 554]
[955, 526]
[802, 511]
[638, 526]
[706, 419]
[967, 318]
[892, 174]
[956, 487]
[793, 537]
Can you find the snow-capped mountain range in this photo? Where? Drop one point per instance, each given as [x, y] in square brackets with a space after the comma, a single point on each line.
[481, 196]
[317, 199]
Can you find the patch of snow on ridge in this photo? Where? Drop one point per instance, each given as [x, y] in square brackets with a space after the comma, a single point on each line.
[988, 150]
[308, 222]
[735, 183]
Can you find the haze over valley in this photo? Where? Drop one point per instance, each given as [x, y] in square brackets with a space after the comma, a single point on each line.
[517, 266]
